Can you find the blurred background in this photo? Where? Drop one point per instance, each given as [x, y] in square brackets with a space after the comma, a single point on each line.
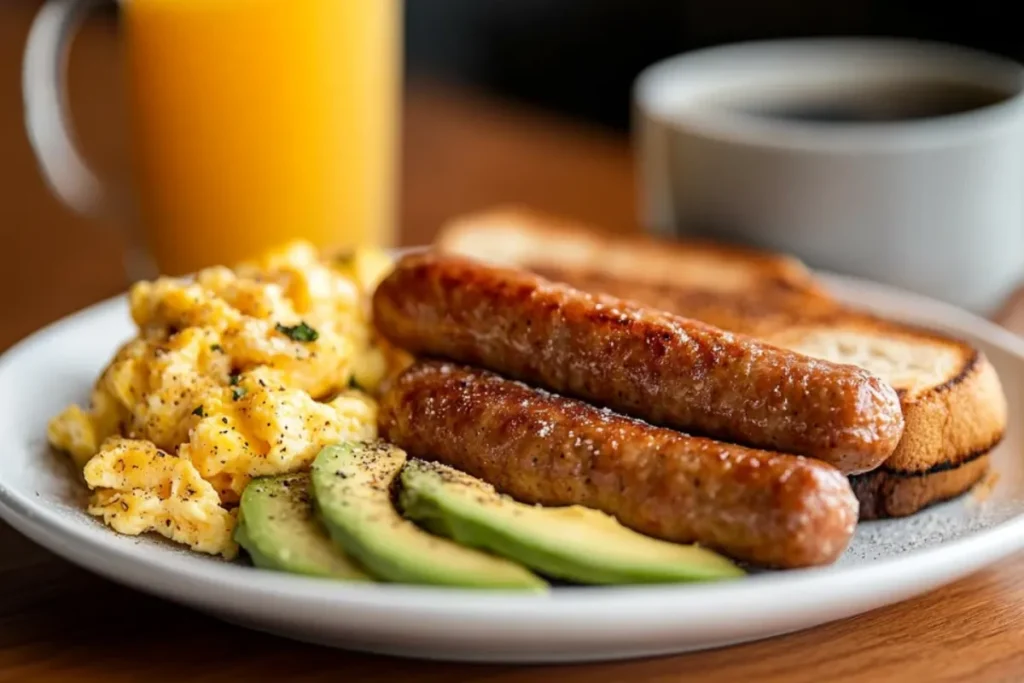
[512, 101]
[579, 57]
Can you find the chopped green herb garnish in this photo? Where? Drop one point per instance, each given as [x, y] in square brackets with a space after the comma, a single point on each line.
[233, 378]
[238, 392]
[301, 332]
[216, 347]
[199, 411]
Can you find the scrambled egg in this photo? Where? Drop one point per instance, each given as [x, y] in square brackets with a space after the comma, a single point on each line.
[234, 374]
[139, 488]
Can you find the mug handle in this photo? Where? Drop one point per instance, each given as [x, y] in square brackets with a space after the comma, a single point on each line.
[44, 88]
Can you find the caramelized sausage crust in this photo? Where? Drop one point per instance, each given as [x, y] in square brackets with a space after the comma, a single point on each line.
[653, 365]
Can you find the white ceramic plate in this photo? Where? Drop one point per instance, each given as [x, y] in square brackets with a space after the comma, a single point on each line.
[887, 562]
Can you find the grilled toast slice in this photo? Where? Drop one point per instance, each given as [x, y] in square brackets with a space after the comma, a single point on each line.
[515, 235]
[952, 400]
[735, 288]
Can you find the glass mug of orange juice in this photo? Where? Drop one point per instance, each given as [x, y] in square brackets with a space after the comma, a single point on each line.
[253, 122]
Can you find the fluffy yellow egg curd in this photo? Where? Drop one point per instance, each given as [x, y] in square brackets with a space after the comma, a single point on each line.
[234, 373]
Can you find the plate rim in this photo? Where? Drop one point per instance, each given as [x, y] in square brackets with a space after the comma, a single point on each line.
[926, 568]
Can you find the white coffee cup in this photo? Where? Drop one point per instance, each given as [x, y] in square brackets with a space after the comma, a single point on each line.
[930, 198]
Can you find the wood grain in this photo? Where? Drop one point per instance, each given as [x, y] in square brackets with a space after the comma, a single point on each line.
[59, 623]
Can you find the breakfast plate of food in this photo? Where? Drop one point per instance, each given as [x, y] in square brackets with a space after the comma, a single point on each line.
[528, 442]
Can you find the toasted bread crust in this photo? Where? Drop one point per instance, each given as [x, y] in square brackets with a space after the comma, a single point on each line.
[759, 311]
[516, 236]
[884, 493]
[952, 423]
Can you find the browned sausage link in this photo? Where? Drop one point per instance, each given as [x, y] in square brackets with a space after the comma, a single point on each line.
[663, 368]
[773, 509]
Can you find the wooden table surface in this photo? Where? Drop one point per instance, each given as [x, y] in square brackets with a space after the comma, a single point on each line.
[58, 622]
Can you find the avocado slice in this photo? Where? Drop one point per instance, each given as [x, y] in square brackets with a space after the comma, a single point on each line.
[278, 529]
[573, 543]
[352, 485]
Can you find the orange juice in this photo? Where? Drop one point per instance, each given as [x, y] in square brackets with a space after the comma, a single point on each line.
[259, 121]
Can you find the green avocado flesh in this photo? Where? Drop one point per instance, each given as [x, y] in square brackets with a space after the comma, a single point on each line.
[278, 529]
[352, 486]
[572, 543]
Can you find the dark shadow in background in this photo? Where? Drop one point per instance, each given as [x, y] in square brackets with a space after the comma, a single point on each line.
[579, 57]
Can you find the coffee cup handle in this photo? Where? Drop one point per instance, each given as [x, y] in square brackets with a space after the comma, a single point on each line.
[47, 120]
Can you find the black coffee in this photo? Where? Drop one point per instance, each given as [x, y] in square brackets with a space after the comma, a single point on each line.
[880, 103]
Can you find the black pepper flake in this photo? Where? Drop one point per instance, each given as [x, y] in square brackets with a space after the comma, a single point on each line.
[301, 332]
[199, 411]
